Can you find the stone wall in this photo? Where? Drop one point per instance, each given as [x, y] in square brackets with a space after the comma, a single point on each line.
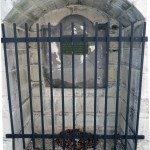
[14, 90]
[134, 84]
[78, 96]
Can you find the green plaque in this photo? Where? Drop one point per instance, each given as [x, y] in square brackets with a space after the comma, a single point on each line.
[67, 47]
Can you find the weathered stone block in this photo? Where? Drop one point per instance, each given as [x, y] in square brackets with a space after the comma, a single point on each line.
[132, 113]
[11, 57]
[123, 108]
[36, 89]
[38, 124]
[46, 104]
[18, 144]
[26, 111]
[122, 123]
[79, 105]
[111, 105]
[23, 77]
[9, 31]
[90, 92]
[78, 92]
[67, 104]
[36, 104]
[16, 121]
[14, 85]
[34, 73]
[89, 120]
[27, 130]
[113, 45]
[14, 102]
[110, 120]
[33, 56]
[112, 73]
[16, 116]
[68, 121]
[123, 93]
[135, 77]
[136, 57]
[124, 74]
[90, 105]
[25, 93]
[113, 58]
[112, 91]
[14, 98]
[125, 55]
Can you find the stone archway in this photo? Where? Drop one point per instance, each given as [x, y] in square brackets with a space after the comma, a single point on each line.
[35, 11]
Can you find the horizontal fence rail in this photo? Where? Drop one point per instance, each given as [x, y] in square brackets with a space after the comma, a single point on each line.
[84, 39]
[86, 136]
[76, 39]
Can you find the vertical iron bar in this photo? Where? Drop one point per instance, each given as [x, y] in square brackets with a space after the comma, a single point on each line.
[140, 84]
[40, 82]
[8, 86]
[84, 82]
[106, 83]
[118, 84]
[73, 84]
[29, 81]
[51, 81]
[95, 83]
[129, 85]
[62, 87]
[18, 79]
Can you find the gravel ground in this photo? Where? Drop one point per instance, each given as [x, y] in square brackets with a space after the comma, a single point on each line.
[49, 146]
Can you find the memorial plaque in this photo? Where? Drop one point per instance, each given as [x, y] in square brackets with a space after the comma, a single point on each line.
[67, 47]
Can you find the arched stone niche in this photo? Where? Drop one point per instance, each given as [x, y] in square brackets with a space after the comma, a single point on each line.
[67, 58]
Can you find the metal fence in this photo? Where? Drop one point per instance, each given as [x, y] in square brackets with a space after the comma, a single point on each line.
[107, 39]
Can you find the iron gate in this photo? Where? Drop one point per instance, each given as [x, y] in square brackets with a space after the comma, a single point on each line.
[120, 39]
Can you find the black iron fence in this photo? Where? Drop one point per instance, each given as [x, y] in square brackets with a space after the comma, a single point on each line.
[120, 39]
